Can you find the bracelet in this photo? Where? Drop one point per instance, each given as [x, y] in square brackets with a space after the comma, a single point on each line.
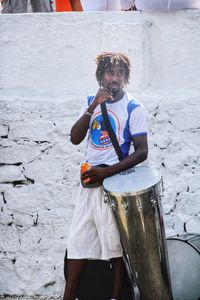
[87, 113]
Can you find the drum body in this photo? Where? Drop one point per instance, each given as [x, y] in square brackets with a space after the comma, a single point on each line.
[184, 263]
[134, 196]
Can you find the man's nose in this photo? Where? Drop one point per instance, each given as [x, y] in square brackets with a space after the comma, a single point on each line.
[115, 77]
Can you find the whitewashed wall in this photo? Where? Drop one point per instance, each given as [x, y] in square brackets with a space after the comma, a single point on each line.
[46, 70]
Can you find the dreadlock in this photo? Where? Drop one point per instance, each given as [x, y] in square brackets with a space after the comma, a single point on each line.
[106, 60]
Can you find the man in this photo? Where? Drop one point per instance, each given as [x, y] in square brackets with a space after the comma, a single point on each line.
[93, 231]
[76, 5]
[161, 5]
[21, 6]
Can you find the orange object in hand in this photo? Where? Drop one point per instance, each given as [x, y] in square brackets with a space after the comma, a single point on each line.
[85, 167]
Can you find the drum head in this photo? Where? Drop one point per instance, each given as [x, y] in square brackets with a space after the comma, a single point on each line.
[184, 263]
[132, 181]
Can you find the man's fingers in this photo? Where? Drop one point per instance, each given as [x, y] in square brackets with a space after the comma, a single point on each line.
[105, 97]
[86, 174]
[105, 91]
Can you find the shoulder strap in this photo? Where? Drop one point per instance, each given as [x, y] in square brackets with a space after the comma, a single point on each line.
[110, 131]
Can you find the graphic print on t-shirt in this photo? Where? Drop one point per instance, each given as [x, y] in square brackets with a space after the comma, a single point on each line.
[99, 136]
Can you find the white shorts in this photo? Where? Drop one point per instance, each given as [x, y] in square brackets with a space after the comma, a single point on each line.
[93, 233]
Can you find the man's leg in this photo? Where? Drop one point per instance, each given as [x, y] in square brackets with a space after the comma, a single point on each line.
[41, 6]
[6, 7]
[118, 277]
[75, 268]
[76, 5]
[14, 6]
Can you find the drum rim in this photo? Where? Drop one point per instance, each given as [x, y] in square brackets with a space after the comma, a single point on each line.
[139, 192]
[127, 194]
[178, 238]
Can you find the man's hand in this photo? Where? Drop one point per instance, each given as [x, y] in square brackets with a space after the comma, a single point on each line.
[101, 96]
[96, 174]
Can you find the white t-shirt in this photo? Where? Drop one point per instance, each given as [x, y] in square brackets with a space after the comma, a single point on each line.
[127, 118]
[161, 5]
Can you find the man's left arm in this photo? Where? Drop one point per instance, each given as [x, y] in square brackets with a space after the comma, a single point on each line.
[140, 154]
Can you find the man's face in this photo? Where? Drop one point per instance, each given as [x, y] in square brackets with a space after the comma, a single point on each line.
[114, 79]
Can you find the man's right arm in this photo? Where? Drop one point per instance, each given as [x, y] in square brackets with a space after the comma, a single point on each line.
[80, 128]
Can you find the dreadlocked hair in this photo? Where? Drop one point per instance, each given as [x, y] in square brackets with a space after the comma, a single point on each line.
[106, 60]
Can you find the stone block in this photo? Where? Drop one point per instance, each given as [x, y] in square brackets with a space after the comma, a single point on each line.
[3, 130]
[42, 239]
[11, 173]
[6, 216]
[188, 203]
[193, 183]
[48, 170]
[9, 239]
[36, 130]
[30, 199]
[8, 275]
[193, 225]
[19, 153]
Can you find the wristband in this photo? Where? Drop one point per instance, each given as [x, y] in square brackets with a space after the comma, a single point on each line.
[87, 113]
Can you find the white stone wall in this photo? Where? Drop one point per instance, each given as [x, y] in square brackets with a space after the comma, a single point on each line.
[46, 70]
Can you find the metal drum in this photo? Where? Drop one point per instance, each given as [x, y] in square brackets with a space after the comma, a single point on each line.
[184, 263]
[135, 198]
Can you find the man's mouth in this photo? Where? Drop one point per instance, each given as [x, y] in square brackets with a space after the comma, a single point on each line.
[113, 86]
